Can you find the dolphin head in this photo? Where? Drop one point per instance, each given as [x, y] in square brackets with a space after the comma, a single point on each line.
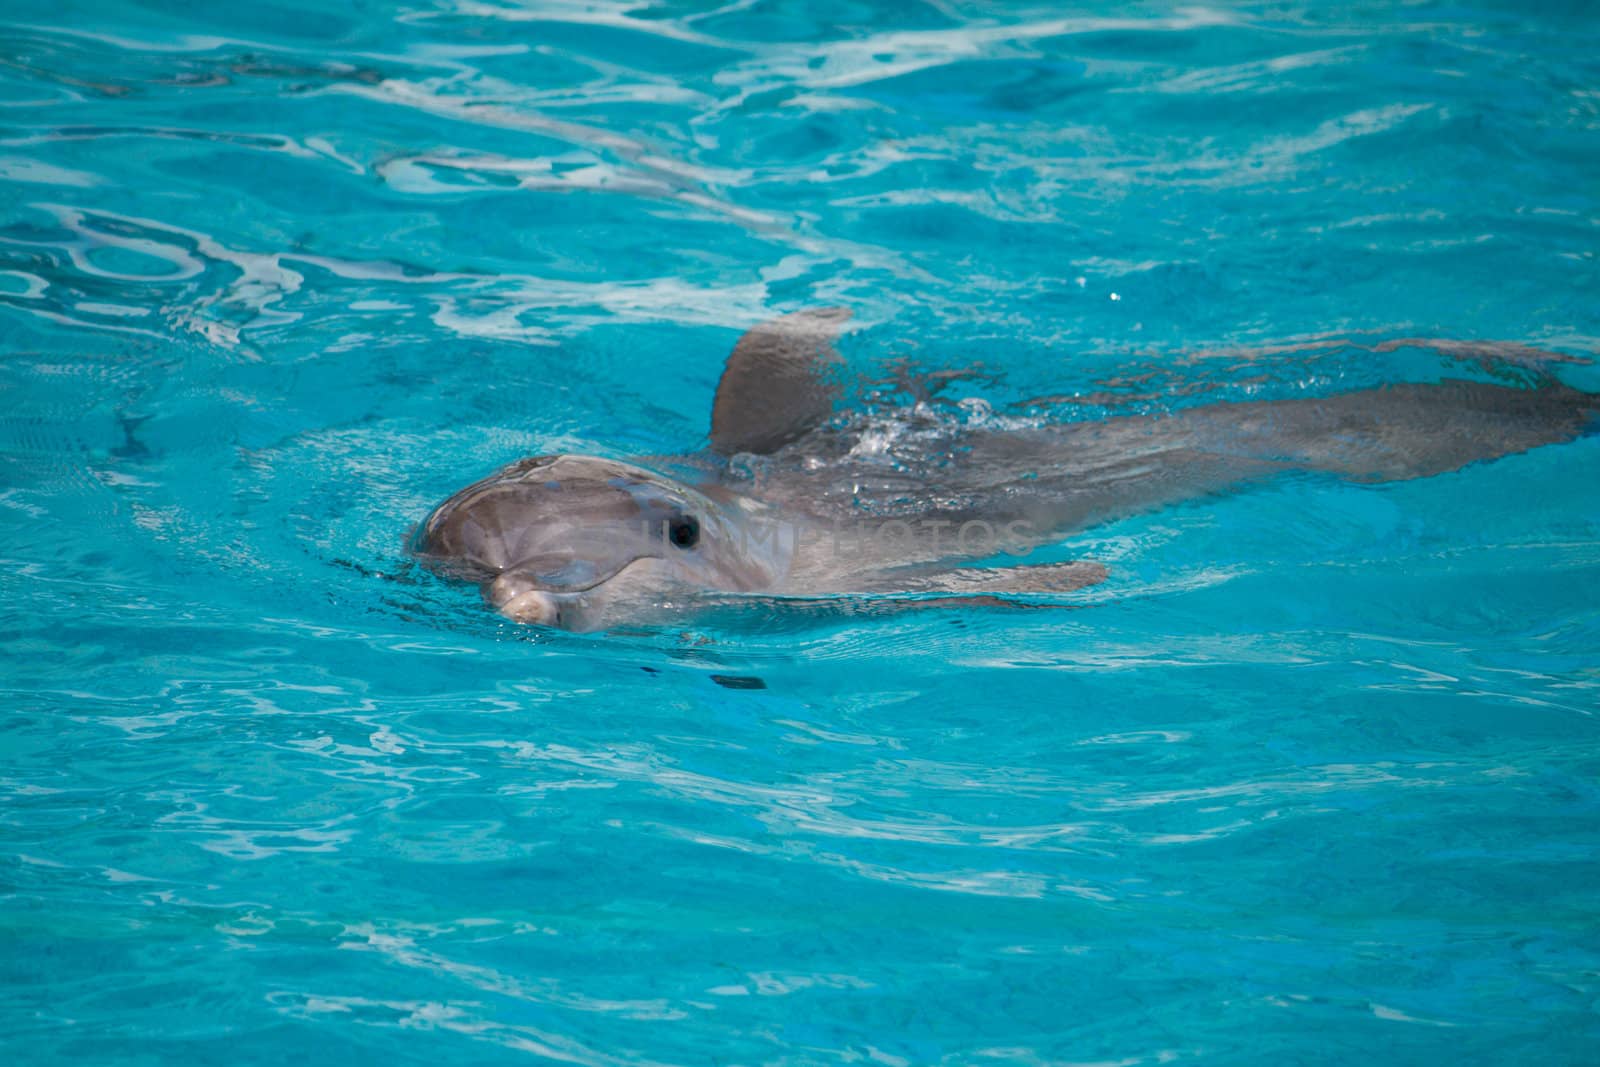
[578, 542]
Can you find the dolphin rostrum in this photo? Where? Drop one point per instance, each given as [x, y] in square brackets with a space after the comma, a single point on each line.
[795, 500]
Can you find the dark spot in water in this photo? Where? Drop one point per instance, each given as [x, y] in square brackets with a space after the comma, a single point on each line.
[131, 447]
[738, 681]
[651, 670]
[367, 572]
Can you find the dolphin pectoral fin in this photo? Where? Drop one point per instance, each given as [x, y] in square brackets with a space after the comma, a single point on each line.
[777, 385]
[959, 587]
[984, 583]
[992, 587]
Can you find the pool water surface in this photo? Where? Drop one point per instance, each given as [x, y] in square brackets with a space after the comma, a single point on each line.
[1312, 775]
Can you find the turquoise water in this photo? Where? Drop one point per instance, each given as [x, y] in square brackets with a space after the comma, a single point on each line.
[1312, 776]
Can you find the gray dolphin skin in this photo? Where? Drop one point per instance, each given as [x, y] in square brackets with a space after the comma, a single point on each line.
[797, 501]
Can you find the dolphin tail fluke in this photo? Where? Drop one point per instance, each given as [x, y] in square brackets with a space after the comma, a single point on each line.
[984, 582]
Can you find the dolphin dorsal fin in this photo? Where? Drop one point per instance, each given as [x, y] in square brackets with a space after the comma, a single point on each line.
[778, 383]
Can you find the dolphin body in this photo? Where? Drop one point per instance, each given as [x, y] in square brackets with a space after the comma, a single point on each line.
[794, 501]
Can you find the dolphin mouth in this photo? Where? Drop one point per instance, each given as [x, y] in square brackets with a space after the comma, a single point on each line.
[568, 577]
[526, 596]
[532, 606]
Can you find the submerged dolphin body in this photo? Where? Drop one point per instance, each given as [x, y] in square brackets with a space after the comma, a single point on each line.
[795, 502]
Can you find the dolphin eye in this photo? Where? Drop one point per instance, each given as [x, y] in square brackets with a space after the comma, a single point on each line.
[685, 532]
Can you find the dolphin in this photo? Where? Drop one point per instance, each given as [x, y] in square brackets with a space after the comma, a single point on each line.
[796, 501]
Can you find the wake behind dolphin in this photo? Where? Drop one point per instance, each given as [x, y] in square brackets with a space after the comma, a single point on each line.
[795, 501]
